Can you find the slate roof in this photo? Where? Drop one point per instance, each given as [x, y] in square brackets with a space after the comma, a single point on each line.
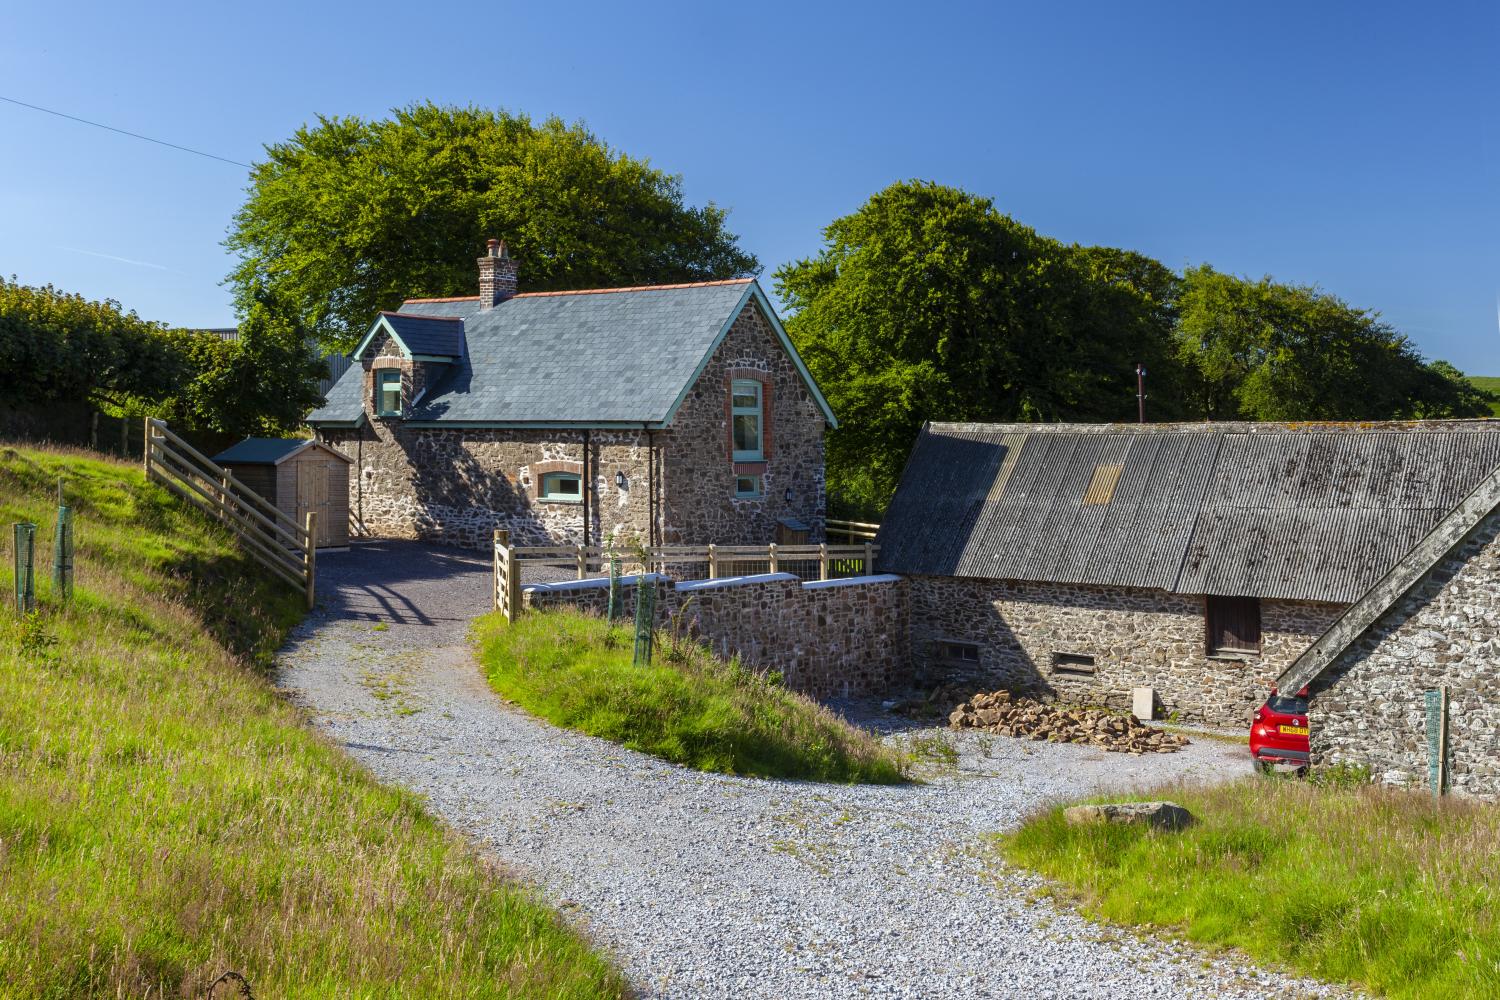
[612, 356]
[441, 335]
[1299, 512]
[265, 451]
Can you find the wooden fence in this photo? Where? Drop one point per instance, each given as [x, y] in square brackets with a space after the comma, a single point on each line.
[554, 563]
[266, 533]
[854, 531]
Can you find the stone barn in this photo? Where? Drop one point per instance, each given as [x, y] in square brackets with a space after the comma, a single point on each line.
[666, 413]
[1199, 560]
[298, 476]
[1425, 635]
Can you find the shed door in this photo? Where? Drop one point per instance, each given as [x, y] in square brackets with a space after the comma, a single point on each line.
[312, 496]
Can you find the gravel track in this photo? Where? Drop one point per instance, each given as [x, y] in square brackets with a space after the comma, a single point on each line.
[715, 886]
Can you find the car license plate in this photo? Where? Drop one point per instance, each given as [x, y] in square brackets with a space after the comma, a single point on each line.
[1293, 730]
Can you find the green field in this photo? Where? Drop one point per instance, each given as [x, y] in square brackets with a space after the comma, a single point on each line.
[1387, 889]
[688, 706]
[1490, 383]
[165, 816]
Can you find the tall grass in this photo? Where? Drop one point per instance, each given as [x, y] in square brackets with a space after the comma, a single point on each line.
[1384, 888]
[164, 816]
[688, 706]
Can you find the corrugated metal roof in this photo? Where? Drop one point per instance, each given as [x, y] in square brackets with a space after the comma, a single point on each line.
[1313, 512]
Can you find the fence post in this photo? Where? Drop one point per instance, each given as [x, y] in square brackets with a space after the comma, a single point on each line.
[773, 557]
[224, 495]
[501, 536]
[713, 561]
[822, 560]
[310, 556]
[25, 533]
[512, 583]
[146, 438]
[583, 563]
[62, 553]
[869, 559]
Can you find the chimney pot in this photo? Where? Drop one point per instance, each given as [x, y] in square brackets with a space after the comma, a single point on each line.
[497, 275]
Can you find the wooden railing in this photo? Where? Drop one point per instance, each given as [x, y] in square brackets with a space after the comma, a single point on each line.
[266, 533]
[853, 530]
[820, 562]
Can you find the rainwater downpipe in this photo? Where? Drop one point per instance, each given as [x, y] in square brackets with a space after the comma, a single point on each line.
[588, 487]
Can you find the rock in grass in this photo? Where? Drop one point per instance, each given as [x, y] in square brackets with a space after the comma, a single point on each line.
[1160, 815]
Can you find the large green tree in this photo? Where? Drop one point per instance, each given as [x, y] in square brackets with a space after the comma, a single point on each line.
[1262, 350]
[929, 304]
[351, 216]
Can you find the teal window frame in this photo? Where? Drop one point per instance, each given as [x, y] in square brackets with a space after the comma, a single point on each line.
[747, 387]
[755, 492]
[384, 378]
[547, 488]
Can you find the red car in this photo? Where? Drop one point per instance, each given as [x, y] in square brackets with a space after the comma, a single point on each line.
[1278, 736]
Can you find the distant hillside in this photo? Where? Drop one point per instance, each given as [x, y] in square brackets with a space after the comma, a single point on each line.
[1490, 383]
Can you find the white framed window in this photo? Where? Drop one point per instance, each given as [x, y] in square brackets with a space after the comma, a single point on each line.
[562, 487]
[747, 487]
[388, 392]
[748, 416]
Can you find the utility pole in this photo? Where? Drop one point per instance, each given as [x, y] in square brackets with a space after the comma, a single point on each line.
[1140, 392]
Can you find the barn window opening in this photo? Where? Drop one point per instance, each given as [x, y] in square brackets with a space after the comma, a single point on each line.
[960, 652]
[388, 393]
[563, 487]
[1073, 663]
[748, 417]
[747, 487]
[1233, 625]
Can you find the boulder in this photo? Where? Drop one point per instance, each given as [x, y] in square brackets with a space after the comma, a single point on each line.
[1158, 815]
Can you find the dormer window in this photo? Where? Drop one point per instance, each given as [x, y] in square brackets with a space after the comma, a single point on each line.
[388, 392]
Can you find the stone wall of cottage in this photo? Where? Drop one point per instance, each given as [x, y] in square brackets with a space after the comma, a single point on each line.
[1137, 638]
[1369, 709]
[457, 486]
[699, 474]
[832, 638]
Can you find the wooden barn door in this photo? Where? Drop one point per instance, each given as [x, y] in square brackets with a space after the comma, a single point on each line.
[312, 495]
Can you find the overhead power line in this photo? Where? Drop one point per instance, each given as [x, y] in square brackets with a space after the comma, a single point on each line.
[133, 135]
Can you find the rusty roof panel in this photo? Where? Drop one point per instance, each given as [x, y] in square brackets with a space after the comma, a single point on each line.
[1305, 513]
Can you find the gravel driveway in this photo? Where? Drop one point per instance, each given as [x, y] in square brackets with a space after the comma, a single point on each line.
[713, 886]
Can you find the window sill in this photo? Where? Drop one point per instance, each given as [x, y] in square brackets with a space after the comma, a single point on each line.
[560, 502]
[1233, 655]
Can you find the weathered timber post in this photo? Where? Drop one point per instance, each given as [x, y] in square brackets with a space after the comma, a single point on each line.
[583, 562]
[224, 495]
[310, 557]
[773, 557]
[512, 582]
[713, 561]
[25, 534]
[145, 437]
[614, 588]
[869, 559]
[822, 560]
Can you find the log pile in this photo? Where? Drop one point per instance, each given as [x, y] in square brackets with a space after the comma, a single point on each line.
[1002, 713]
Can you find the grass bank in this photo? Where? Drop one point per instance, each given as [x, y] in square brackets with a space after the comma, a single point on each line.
[688, 707]
[1489, 383]
[1386, 889]
[165, 817]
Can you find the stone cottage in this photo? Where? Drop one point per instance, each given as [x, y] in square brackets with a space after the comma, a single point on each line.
[1199, 560]
[665, 413]
[1431, 625]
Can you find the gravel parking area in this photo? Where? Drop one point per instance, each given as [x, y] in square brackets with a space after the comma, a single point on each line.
[713, 886]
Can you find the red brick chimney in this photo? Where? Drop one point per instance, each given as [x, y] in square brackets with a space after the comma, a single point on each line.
[497, 275]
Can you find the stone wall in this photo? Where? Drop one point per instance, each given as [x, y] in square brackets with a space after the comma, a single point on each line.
[700, 472]
[1136, 637]
[828, 638]
[457, 485]
[1368, 708]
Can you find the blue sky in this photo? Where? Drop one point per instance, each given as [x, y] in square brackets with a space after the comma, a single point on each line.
[1351, 145]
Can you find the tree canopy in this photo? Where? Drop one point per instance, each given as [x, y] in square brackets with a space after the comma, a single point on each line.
[927, 303]
[350, 216]
[74, 349]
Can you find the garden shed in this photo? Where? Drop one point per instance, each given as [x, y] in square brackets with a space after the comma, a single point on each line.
[299, 476]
